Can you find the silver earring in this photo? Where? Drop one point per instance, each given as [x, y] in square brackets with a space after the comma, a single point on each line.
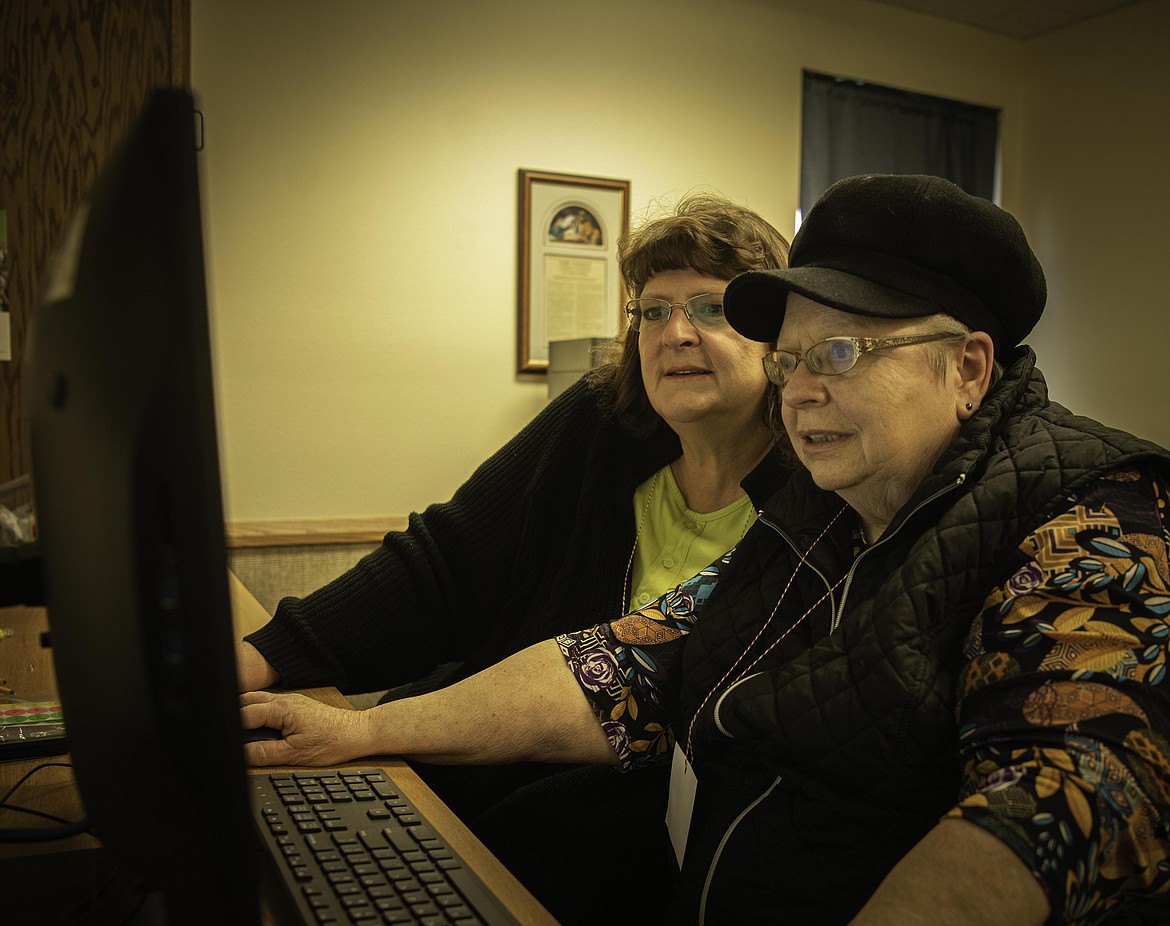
[969, 406]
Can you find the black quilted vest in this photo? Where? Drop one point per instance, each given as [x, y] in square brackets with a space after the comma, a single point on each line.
[829, 758]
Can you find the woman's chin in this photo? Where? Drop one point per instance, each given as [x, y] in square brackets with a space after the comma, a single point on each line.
[829, 475]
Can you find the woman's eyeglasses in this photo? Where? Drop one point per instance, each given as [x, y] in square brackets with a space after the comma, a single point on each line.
[834, 356]
[705, 311]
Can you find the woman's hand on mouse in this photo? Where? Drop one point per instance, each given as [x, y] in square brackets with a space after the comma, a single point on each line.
[314, 734]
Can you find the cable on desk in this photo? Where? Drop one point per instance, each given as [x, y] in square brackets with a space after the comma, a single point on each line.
[44, 834]
[19, 834]
[27, 775]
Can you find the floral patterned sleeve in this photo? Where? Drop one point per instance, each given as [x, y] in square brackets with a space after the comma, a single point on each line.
[1065, 704]
[626, 669]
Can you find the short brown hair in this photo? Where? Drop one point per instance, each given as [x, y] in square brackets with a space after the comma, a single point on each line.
[703, 232]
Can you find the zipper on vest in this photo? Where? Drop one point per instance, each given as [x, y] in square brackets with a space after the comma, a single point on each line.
[719, 703]
[723, 843]
[839, 611]
[763, 519]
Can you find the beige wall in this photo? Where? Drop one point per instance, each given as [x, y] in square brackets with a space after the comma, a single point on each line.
[360, 171]
[1096, 203]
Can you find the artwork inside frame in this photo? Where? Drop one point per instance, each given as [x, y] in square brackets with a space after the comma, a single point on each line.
[570, 286]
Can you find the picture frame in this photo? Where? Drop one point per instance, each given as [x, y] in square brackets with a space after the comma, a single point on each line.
[569, 282]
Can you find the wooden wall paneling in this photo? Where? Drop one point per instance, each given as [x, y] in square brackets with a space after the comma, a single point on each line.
[73, 76]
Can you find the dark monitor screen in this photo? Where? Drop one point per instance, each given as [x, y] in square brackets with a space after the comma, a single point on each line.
[125, 472]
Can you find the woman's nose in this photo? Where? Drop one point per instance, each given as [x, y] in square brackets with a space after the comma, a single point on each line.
[680, 330]
[803, 387]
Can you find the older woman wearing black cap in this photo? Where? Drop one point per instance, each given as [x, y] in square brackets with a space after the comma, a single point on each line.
[930, 684]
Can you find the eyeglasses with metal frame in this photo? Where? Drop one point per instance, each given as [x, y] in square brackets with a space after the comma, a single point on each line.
[834, 356]
[705, 311]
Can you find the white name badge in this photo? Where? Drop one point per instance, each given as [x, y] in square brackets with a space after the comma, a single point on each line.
[681, 802]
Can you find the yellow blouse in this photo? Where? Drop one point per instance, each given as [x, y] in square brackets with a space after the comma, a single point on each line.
[675, 542]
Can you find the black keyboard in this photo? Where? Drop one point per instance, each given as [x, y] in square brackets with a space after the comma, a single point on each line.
[352, 849]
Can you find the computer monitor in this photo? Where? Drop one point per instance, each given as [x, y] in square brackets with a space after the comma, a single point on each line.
[125, 471]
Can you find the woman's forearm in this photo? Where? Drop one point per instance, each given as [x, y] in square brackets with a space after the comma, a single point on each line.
[527, 708]
[958, 875]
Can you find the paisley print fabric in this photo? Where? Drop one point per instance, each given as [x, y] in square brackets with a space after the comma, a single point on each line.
[1064, 694]
[626, 669]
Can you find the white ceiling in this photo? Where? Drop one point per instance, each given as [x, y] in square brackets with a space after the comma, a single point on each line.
[1021, 19]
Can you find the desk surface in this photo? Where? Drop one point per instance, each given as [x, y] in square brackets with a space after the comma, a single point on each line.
[53, 790]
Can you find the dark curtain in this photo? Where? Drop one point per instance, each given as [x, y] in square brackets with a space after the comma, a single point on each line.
[849, 127]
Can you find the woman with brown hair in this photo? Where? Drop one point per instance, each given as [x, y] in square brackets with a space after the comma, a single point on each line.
[630, 481]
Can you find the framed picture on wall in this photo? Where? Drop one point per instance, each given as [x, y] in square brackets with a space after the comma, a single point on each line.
[569, 283]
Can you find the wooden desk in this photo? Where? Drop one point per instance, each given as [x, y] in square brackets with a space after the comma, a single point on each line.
[53, 789]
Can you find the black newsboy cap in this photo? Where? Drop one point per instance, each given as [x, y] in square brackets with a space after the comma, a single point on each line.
[901, 246]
